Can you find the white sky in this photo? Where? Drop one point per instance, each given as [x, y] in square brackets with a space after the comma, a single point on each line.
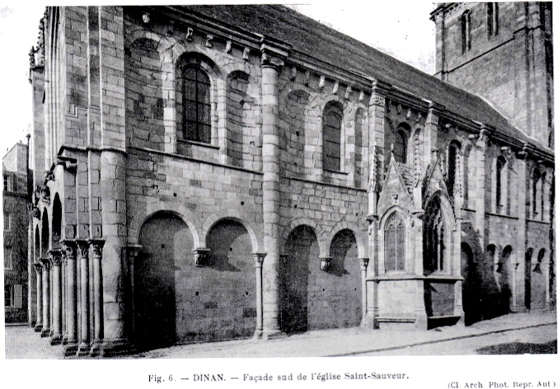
[399, 28]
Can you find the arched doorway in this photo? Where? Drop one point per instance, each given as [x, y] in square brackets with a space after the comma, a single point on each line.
[165, 240]
[503, 278]
[471, 286]
[538, 282]
[56, 222]
[301, 249]
[227, 284]
[340, 304]
[45, 236]
[528, 270]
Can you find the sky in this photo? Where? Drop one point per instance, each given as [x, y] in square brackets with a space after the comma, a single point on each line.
[399, 28]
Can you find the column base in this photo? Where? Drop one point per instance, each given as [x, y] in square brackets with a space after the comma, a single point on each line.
[258, 334]
[83, 350]
[38, 327]
[56, 339]
[70, 349]
[65, 339]
[273, 334]
[45, 332]
[96, 349]
[114, 347]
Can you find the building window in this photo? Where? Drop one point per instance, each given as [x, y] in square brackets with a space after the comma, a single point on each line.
[7, 221]
[501, 184]
[399, 148]
[394, 243]
[452, 167]
[536, 192]
[196, 105]
[8, 259]
[466, 31]
[5, 183]
[9, 183]
[332, 132]
[492, 12]
[434, 238]
[13, 296]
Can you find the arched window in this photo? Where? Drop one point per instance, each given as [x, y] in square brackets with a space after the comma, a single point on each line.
[332, 128]
[394, 243]
[536, 192]
[399, 147]
[196, 108]
[466, 31]
[452, 166]
[434, 237]
[492, 16]
[501, 184]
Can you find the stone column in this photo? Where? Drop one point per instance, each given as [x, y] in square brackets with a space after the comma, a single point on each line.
[83, 250]
[271, 62]
[64, 309]
[97, 250]
[46, 299]
[39, 270]
[259, 259]
[363, 265]
[56, 262]
[132, 254]
[71, 346]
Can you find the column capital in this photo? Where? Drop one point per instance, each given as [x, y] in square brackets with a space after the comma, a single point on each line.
[83, 247]
[379, 91]
[38, 267]
[274, 53]
[46, 263]
[259, 258]
[69, 248]
[97, 245]
[55, 257]
[364, 262]
[132, 252]
[326, 263]
[201, 255]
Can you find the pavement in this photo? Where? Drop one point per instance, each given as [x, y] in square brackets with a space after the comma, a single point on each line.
[23, 343]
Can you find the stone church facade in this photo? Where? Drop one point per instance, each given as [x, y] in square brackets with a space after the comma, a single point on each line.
[215, 172]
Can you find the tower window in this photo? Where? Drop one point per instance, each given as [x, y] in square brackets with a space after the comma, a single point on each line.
[492, 12]
[501, 184]
[466, 31]
[399, 149]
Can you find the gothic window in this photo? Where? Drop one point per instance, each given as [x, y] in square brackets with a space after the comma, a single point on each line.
[399, 147]
[434, 237]
[332, 127]
[452, 167]
[501, 184]
[492, 13]
[466, 31]
[196, 108]
[8, 263]
[536, 192]
[394, 243]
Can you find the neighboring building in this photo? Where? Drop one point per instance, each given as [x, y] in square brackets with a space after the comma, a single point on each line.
[217, 172]
[16, 221]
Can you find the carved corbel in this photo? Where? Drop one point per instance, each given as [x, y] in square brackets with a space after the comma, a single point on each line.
[145, 18]
[228, 47]
[335, 88]
[201, 256]
[326, 263]
[321, 82]
[347, 93]
[209, 40]
[189, 35]
[246, 52]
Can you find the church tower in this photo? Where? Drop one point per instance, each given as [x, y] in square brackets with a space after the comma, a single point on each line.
[503, 53]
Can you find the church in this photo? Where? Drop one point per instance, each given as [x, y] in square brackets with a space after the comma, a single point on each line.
[206, 173]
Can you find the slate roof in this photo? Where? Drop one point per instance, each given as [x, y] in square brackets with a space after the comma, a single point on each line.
[314, 39]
